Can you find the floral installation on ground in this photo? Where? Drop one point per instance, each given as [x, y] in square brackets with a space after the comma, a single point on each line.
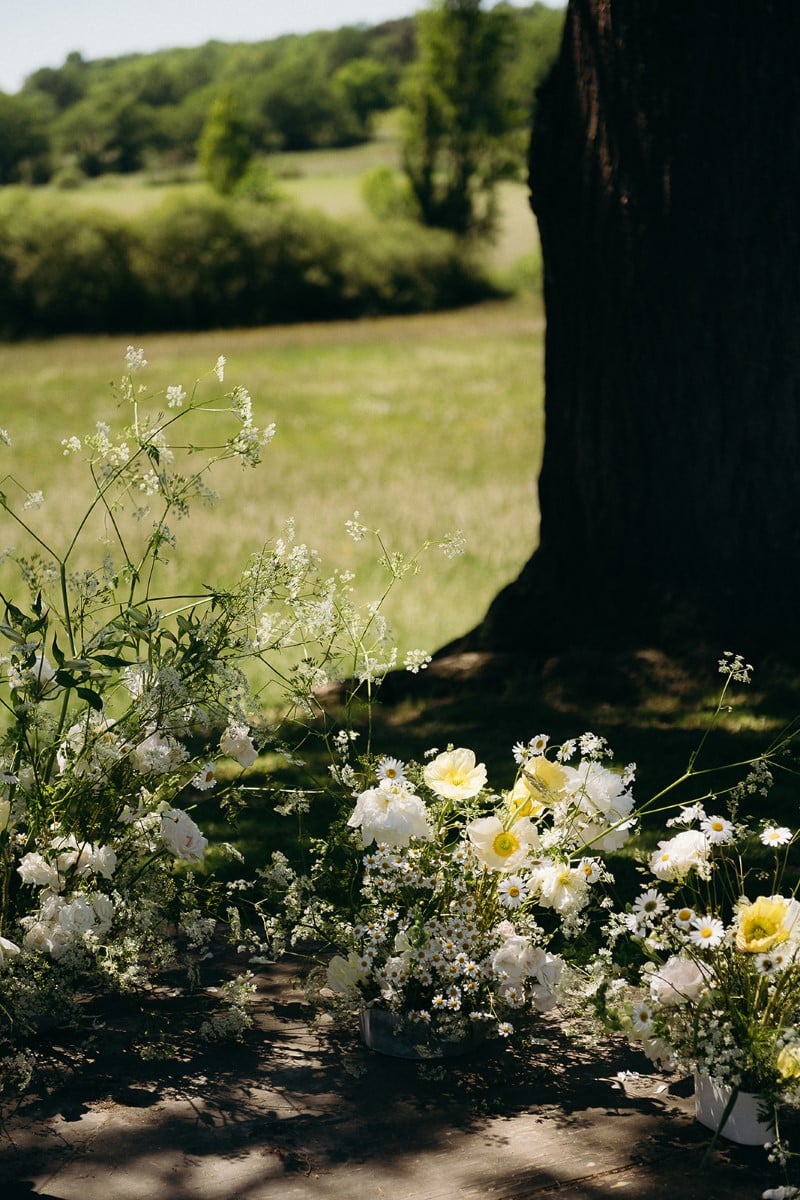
[449, 903]
[702, 968]
[129, 706]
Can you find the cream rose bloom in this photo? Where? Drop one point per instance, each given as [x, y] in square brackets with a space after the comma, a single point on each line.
[454, 775]
[678, 981]
[499, 848]
[182, 836]
[344, 974]
[237, 743]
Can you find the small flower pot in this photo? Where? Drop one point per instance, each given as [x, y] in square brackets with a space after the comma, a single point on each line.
[389, 1033]
[743, 1123]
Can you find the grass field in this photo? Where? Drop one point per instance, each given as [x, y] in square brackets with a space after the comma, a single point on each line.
[425, 425]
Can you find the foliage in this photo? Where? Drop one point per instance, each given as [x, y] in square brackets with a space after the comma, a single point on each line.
[125, 702]
[321, 89]
[388, 195]
[209, 263]
[224, 149]
[459, 115]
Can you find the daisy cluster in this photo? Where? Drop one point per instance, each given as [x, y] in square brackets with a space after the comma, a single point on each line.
[466, 891]
[717, 987]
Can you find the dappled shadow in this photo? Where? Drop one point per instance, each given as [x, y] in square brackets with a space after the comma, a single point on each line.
[304, 1111]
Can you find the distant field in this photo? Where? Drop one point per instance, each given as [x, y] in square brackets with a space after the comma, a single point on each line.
[424, 424]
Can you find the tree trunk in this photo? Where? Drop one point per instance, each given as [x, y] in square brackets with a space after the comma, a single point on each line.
[665, 176]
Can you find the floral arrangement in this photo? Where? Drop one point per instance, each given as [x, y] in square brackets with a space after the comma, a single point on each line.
[702, 968]
[456, 901]
[126, 704]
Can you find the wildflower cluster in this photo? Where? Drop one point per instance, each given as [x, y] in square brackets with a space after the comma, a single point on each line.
[129, 709]
[467, 897]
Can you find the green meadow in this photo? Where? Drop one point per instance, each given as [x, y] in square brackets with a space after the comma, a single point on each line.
[424, 425]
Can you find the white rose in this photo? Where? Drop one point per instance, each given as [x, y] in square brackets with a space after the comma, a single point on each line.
[182, 835]
[37, 871]
[103, 861]
[77, 917]
[678, 981]
[236, 743]
[516, 959]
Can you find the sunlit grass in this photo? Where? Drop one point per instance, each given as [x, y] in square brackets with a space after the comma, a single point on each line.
[425, 425]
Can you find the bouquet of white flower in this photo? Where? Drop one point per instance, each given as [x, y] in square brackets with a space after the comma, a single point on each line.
[464, 892]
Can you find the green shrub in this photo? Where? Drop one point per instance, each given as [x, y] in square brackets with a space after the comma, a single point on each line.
[66, 271]
[208, 262]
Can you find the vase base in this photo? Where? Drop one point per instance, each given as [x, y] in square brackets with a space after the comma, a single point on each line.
[386, 1033]
[744, 1125]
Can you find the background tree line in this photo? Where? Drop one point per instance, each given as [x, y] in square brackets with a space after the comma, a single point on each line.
[291, 93]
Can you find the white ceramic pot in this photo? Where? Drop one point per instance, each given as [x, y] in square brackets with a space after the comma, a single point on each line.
[387, 1033]
[743, 1125]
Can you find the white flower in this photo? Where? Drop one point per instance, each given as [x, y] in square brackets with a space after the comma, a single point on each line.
[605, 800]
[682, 853]
[77, 917]
[237, 743]
[772, 963]
[512, 891]
[175, 396]
[499, 848]
[649, 905]
[390, 816]
[707, 932]
[158, 754]
[454, 775]
[642, 1017]
[683, 917]
[344, 974]
[392, 769]
[206, 778]
[33, 500]
[182, 836]
[219, 367]
[8, 950]
[717, 829]
[677, 981]
[135, 359]
[776, 835]
[34, 869]
[516, 959]
[505, 1029]
[785, 1192]
[561, 887]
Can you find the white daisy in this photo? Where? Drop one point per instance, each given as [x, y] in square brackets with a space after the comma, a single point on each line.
[649, 905]
[684, 917]
[776, 835]
[707, 932]
[392, 769]
[717, 829]
[512, 891]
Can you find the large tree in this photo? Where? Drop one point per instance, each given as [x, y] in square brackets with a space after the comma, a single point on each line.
[665, 176]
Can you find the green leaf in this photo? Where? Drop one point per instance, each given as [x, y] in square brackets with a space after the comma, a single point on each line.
[94, 700]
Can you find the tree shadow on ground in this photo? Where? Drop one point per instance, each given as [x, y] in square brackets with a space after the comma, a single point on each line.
[303, 1110]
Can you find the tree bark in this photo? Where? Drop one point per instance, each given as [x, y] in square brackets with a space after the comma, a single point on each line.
[665, 176]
